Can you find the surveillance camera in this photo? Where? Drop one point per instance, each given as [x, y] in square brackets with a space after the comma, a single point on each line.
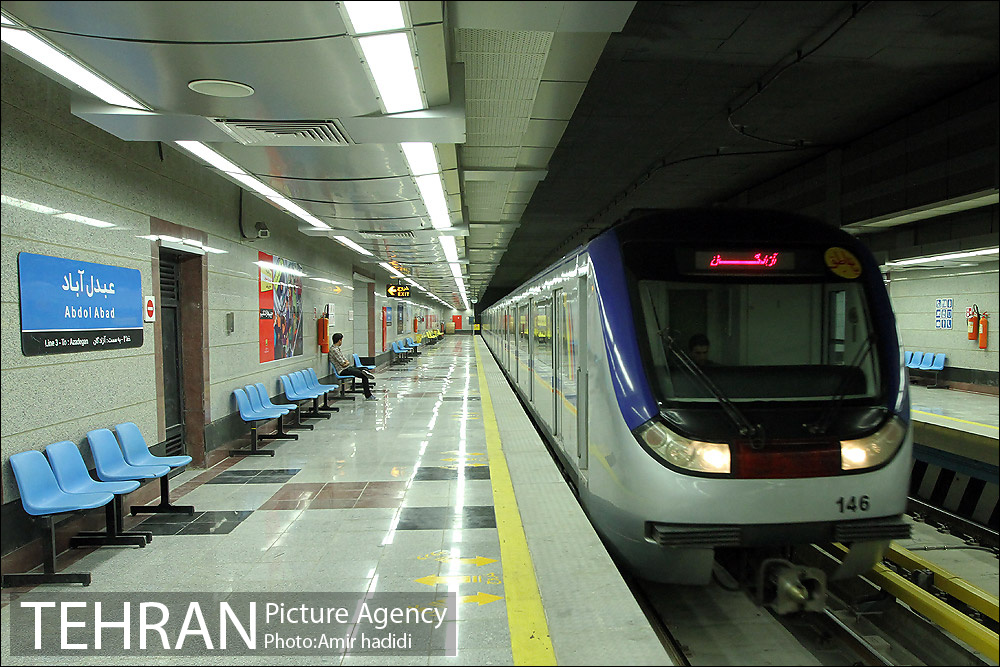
[262, 231]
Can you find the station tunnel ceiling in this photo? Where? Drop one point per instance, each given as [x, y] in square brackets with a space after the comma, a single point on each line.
[549, 120]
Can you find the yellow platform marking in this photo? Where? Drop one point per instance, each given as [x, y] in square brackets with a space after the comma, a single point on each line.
[529, 632]
[480, 598]
[956, 419]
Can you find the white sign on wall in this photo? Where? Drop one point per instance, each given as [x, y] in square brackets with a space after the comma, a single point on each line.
[943, 313]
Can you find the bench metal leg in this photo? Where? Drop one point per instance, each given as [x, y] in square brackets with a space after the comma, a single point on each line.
[115, 534]
[164, 507]
[316, 414]
[253, 451]
[298, 420]
[48, 574]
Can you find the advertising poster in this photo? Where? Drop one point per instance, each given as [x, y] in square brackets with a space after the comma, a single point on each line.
[280, 308]
[73, 306]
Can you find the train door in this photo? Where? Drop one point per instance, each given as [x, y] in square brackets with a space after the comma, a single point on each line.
[580, 355]
[544, 378]
[558, 313]
[526, 350]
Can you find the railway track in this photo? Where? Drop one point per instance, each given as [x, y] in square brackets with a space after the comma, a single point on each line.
[906, 611]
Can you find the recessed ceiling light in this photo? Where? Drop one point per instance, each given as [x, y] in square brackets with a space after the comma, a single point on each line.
[220, 88]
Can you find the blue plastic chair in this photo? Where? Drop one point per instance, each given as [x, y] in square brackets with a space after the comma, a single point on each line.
[266, 403]
[915, 360]
[936, 365]
[302, 386]
[906, 357]
[73, 477]
[137, 452]
[401, 354]
[41, 494]
[41, 497]
[413, 346]
[314, 382]
[111, 464]
[357, 363]
[266, 400]
[927, 362]
[251, 414]
[257, 404]
[294, 391]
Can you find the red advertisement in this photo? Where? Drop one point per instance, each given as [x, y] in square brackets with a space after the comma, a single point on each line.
[280, 282]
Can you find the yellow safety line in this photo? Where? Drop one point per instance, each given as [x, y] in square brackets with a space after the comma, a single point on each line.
[955, 419]
[529, 631]
[951, 584]
[975, 635]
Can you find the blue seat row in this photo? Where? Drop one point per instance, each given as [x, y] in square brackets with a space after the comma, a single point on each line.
[403, 350]
[255, 406]
[925, 362]
[59, 482]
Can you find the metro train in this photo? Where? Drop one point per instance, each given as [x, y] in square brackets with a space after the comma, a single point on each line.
[787, 422]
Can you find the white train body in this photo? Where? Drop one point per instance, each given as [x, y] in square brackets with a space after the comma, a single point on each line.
[591, 345]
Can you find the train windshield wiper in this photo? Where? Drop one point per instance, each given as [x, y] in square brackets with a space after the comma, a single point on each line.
[743, 425]
[822, 424]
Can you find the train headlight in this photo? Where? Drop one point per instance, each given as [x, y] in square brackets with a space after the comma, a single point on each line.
[705, 457]
[874, 450]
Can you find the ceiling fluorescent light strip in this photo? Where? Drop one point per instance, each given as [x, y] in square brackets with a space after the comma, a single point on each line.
[352, 245]
[432, 192]
[421, 157]
[66, 66]
[369, 17]
[391, 63]
[211, 157]
[449, 247]
[942, 258]
[391, 269]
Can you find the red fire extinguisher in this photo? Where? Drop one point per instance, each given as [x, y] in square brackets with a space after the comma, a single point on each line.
[982, 331]
[974, 323]
[323, 334]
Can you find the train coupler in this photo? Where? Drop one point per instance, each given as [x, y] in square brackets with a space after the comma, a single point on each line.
[787, 588]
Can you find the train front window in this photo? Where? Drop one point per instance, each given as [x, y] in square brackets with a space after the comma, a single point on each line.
[758, 340]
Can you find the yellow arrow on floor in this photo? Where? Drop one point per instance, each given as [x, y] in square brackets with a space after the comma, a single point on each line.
[455, 451]
[434, 580]
[481, 598]
[477, 561]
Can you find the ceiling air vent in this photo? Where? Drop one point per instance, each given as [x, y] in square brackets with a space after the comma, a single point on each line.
[285, 132]
[393, 235]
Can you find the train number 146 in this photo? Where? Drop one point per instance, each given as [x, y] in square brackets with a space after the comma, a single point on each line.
[852, 504]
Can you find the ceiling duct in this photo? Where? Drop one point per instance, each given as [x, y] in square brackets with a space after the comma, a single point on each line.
[407, 235]
[285, 132]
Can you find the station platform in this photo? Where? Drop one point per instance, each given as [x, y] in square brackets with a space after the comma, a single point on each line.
[440, 486]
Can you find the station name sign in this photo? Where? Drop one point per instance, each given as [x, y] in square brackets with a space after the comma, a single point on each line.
[398, 291]
[73, 306]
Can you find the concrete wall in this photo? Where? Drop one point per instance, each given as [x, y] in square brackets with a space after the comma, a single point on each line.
[51, 158]
[914, 294]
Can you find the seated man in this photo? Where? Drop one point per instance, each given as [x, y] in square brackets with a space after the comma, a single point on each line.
[343, 366]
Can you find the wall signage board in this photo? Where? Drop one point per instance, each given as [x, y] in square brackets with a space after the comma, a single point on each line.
[73, 306]
[398, 291]
[280, 308]
[943, 313]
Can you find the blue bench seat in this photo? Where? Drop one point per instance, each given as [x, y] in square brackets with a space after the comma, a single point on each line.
[41, 498]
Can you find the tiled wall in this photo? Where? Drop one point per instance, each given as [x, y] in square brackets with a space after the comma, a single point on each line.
[51, 158]
[914, 294]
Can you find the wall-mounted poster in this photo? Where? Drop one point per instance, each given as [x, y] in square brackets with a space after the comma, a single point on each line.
[280, 282]
[73, 306]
